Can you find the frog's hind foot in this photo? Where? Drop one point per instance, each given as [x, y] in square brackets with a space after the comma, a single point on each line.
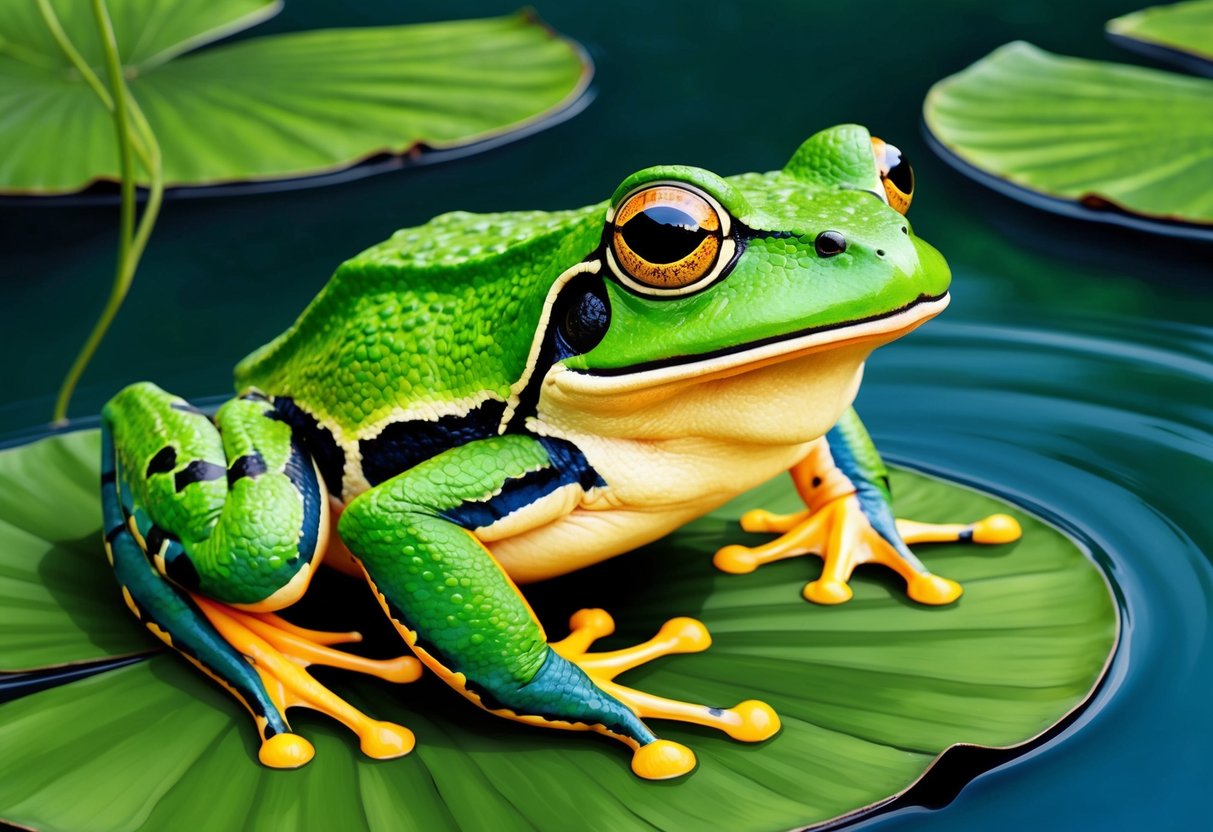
[749, 721]
[841, 533]
[280, 652]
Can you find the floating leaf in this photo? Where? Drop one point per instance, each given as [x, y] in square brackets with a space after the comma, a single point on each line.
[56, 599]
[268, 108]
[1102, 140]
[870, 692]
[1180, 30]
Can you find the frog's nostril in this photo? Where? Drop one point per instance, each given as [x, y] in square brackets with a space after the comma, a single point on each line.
[880, 252]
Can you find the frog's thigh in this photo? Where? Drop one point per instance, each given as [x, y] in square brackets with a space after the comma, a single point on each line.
[451, 600]
[237, 517]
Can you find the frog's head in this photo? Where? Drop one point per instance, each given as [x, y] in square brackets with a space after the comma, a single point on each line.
[757, 292]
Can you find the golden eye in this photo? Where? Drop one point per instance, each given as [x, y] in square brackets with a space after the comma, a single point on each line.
[895, 174]
[667, 238]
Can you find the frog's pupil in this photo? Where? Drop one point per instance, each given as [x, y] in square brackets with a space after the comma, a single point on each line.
[663, 234]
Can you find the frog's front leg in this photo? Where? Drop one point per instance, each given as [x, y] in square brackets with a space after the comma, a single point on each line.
[210, 526]
[415, 536]
[849, 521]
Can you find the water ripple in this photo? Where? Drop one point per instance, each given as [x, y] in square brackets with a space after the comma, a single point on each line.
[1104, 427]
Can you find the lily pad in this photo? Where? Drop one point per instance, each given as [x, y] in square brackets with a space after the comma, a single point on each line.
[1121, 144]
[871, 693]
[290, 105]
[1180, 32]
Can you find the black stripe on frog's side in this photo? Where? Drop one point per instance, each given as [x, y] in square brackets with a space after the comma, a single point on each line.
[317, 441]
[402, 445]
[568, 466]
[568, 458]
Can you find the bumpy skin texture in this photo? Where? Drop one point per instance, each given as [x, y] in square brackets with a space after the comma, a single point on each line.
[489, 395]
[439, 577]
[424, 319]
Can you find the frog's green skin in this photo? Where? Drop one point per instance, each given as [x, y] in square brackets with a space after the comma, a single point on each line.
[430, 392]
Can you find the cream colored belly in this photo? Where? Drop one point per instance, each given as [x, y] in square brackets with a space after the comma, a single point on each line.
[655, 488]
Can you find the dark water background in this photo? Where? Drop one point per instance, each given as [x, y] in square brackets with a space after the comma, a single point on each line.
[1072, 374]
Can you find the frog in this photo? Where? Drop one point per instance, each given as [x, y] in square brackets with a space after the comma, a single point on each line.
[490, 400]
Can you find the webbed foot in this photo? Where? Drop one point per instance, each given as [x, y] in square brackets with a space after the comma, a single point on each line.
[749, 721]
[280, 652]
[841, 533]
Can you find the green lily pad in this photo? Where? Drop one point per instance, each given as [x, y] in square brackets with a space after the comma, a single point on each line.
[1181, 31]
[285, 106]
[56, 599]
[1117, 143]
[870, 692]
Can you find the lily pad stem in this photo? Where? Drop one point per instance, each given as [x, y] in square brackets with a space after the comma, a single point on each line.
[134, 138]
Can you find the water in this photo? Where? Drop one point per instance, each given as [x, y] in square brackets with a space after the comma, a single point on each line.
[1073, 373]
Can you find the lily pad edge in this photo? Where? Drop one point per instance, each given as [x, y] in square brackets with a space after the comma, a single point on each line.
[1119, 32]
[372, 162]
[1109, 211]
[1111, 215]
[1014, 750]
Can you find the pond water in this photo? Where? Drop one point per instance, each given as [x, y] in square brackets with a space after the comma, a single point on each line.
[1073, 373]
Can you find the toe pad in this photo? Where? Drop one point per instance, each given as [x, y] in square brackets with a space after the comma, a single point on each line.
[997, 528]
[386, 741]
[932, 589]
[285, 751]
[662, 760]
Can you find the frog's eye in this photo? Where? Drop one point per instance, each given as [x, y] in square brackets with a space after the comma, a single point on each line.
[668, 239]
[895, 174]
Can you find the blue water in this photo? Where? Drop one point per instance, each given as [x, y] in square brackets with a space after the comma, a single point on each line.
[1072, 375]
[1104, 429]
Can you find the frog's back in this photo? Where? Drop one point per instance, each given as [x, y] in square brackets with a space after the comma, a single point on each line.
[434, 322]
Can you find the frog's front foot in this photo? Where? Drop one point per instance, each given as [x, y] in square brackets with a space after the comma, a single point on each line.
[749, 721]
[841, 533]
[280, 652]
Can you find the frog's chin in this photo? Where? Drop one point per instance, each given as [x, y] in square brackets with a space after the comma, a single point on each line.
[869, 333]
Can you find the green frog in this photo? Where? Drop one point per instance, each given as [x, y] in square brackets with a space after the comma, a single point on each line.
[493, 399]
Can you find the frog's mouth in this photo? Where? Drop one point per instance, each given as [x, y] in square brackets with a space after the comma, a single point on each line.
[872, 332]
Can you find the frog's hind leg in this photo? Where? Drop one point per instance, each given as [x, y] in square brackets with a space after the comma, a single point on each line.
[203, 548]
[849, 521]
[466, 620]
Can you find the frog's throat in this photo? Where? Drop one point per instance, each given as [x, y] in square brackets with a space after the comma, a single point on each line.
[695, 369]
